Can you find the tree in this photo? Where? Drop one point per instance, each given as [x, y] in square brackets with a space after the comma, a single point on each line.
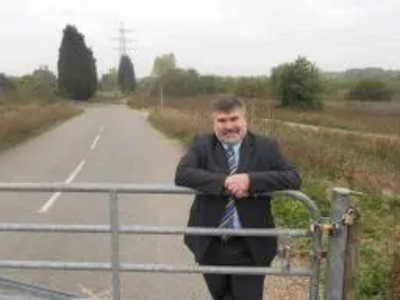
[208, 84]
[168, 78]
[370, 89]
[252, 87]
[47, 78]
[77, 75]
[6, 85]
[34, 87]
[92, 73]
[109, 81]
[298, 84]
[181, 82]
[163, 64]
[126, 74]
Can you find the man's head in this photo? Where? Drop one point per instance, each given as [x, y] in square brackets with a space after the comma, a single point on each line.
[229, 118]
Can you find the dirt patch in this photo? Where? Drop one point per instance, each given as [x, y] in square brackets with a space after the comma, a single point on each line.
[288, 288]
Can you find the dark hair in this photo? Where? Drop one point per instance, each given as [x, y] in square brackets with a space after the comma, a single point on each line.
[227, 104]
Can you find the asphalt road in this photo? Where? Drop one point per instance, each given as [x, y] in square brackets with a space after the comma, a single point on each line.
[106, 144]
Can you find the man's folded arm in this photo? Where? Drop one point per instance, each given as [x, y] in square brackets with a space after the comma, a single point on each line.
[283, 176]
[189, 173]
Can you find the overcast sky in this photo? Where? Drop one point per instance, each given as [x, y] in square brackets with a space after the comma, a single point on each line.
[227, 37]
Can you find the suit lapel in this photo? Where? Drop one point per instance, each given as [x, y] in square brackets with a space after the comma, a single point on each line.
[246, 153]
[220, 157]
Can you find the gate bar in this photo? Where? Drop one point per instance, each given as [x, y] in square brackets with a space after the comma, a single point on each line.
[161, 268]
[134, 189]
[139, 229]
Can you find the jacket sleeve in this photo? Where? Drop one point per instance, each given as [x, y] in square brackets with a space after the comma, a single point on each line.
[191, 172]
[283, 175]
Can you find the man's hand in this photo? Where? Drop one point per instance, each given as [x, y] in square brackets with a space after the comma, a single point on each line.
[238, 184]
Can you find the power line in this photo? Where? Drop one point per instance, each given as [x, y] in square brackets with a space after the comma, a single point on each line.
[123, 41]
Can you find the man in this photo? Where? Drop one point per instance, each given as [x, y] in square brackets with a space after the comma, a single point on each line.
[233, 169]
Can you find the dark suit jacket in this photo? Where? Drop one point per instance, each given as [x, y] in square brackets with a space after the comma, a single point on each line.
[204, 168]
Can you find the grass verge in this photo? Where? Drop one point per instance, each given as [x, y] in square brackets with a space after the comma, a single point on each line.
[20, 122]
[379, 118]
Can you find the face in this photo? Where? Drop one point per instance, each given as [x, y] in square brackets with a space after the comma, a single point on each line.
[230, 127]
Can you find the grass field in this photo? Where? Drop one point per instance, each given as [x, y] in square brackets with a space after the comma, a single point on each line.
[326, 159]
[367, 117]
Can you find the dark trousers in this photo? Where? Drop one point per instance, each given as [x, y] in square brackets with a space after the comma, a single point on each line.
[232, 287]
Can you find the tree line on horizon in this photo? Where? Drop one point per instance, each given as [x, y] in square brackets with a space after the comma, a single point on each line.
[299, 83]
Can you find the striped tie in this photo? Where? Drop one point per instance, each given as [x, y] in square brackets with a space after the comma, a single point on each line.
[227, 220]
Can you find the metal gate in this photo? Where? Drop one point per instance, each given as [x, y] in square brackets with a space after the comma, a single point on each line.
[335, 266]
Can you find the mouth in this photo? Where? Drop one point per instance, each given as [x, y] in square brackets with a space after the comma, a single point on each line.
[231, 136]
[231, 133]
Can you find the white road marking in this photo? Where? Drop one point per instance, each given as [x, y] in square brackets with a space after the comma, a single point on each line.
[94, 144]
[75, 172]
[49, 203]
[96, 139]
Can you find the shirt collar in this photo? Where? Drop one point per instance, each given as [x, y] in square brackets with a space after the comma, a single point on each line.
[235, 146]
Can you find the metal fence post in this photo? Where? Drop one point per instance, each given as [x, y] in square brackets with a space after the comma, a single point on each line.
[316, 261]
[351, 261]
[335, 268]
[114, 222]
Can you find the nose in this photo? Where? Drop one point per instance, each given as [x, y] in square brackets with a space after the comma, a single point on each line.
[229, 125]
